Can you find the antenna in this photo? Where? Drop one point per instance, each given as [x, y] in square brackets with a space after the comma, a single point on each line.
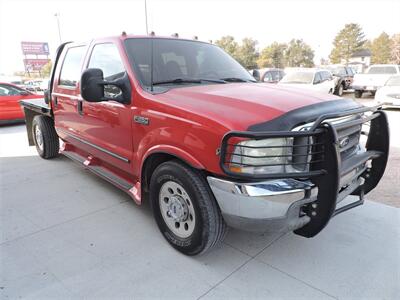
[145, 13]
[151, 62]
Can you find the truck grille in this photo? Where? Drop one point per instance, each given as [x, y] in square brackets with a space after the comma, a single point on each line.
[348, 136]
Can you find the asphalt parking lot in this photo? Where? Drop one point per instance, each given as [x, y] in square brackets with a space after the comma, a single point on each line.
[66, 233]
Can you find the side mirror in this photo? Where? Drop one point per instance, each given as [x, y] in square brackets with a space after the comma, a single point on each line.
[93, 86]
[256, 75]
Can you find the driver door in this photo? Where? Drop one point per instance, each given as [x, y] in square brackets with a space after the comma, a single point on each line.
[317, 83]
[107, 125]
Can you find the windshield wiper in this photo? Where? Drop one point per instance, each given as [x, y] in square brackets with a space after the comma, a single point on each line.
[188, 80]
[237, 79]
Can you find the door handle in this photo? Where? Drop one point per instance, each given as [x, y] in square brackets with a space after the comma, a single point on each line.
[80, 107]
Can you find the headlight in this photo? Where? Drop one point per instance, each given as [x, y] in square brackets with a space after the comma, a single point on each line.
[261, 156]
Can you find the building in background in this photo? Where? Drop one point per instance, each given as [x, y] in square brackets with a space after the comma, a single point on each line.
[360, 60]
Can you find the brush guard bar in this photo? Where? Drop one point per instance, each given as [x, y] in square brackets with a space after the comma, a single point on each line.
[335, 175]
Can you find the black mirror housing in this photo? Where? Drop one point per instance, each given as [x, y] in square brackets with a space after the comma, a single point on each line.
[256, 75]
[92, 85]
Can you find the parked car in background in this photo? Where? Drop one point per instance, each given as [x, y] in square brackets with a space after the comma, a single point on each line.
[318, 80]
[44, 85]
[10, 95]
[271, 75]
[389, 94]
[343, 77]
[32, 85]
[375, 77]
[15, 80]
[37, 85]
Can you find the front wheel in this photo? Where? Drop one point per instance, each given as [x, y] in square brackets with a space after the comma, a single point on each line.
[339, 90]
[45, 137]
[185, 209]
[358, 94]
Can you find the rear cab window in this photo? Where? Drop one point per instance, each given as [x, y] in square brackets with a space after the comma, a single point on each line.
[382, 70]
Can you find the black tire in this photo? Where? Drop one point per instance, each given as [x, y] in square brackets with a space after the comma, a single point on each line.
[358, 94]
[373, 93]
[49, 146]
[339, 90]
[209, 228]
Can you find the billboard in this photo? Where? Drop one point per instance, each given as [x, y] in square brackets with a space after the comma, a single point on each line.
[35, 48]
[34, 64]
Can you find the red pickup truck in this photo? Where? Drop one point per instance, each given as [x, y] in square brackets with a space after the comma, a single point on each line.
[180, 123]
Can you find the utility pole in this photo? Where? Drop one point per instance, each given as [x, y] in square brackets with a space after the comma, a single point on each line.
[145, 13]
[57, 15]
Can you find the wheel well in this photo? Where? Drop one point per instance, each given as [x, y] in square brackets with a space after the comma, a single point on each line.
[29, 116]
[151, 163]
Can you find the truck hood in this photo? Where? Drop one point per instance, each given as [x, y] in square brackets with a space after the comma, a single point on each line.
[237, 106]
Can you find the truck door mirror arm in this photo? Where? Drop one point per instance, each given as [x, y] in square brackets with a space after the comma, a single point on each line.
[93, 83]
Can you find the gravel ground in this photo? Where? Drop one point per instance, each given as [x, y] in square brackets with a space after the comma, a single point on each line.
[388, 190]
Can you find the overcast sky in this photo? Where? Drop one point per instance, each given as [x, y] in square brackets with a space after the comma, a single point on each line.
[316, 22]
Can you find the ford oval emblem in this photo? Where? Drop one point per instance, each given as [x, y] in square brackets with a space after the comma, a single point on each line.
[344, 142]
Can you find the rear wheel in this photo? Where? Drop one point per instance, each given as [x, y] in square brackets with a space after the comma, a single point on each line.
[358, 94]
[185, 209]
[45, 137]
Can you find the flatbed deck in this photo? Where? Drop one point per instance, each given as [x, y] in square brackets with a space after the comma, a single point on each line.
[38, 105]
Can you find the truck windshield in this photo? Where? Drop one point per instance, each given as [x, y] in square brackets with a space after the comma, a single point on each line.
[298, 77]
[180, 62]
[382, 70]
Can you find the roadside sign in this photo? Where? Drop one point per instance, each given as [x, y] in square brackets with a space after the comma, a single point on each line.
[34, 64]
[35, 48]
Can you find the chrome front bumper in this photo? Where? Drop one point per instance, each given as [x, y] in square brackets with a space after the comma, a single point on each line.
[267, 205]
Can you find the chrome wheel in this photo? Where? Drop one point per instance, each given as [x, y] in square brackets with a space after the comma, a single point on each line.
[177, 209]
[39, 137]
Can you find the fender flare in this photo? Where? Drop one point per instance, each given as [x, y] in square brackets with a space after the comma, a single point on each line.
[172, 151]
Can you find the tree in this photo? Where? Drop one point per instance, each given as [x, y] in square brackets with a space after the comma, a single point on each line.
[45, 72]
[299, 54]
[395, 51]
[247, 53]
[272, 56]
[381, 49]
[229, 44]
[349, 40]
